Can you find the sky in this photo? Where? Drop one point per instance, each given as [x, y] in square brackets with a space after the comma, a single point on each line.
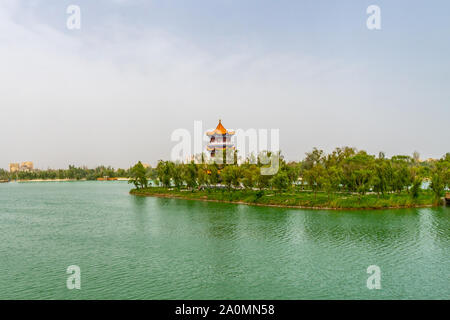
[114, 91]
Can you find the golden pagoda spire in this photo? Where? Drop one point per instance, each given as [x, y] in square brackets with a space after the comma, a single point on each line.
[220, 130]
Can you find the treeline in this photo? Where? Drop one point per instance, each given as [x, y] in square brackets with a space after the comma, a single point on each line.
[343, 170]
[77, 173]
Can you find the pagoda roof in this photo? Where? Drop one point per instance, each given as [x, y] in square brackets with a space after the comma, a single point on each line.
[220, 130]
[209, 148]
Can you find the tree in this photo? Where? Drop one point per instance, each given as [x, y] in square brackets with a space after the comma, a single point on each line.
[439, 178]
[138, 176]
[163, 170]
[190, 175]
[379, 179]
[152, 174]
[4, 175]
[445, 163]
[401, 174]
[312, 158]
[231, 176]
[315, 178]
[262, 181]
[202, 176]
[293, 171]
[176, 172]
[249, 176]
[437, 185]
[213, 174]
[121, 173]
[331, 180]
[280, 181]
[415, 189]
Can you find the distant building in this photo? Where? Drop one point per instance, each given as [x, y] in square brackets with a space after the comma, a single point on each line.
[14, 167]
[429, 160]
[146, 165]
[26, 166]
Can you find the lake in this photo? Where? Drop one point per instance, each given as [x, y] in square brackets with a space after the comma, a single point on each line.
[131, 247]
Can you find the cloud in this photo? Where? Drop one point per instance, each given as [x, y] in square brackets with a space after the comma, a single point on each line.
[75, 96]
[113, 94]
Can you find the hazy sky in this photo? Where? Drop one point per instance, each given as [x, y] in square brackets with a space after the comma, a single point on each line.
[114, 91]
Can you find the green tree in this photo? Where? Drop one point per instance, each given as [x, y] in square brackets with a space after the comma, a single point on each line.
[231, 176]
[415, 189]
[280, 181]
[331, 180]
[380, 175]
[262, 181]
[357, 172]
[164, 173]
[138, 176]
[437, 185]
[190, 175]
[176, 172]
[315, 177]
[213, 174]
[202, 176]
[249, 176]
[439, 178]
[401, 177]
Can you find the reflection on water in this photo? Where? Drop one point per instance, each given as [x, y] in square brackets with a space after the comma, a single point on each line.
[140, 210]
[157, 248]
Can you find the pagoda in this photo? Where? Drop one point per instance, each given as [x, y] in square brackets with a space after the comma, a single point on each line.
[220, 139]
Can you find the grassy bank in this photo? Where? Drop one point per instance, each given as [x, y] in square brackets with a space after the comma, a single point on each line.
[297, 199]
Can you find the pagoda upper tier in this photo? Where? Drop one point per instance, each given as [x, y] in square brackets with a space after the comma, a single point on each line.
[220, 131]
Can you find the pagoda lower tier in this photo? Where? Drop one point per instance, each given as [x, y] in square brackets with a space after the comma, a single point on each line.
[220, 139]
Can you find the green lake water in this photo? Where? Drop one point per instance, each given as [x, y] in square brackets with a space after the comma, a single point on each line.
[151, 248]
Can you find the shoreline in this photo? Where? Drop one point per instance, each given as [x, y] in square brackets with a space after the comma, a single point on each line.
[64, 180]
[174, 196]
[47, 180]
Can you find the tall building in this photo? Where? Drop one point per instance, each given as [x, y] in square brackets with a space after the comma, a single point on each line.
[14, 167]
[24, 166]
[220, 139]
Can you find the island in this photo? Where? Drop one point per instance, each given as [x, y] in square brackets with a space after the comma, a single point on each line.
[295, 198]
[346, 178]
